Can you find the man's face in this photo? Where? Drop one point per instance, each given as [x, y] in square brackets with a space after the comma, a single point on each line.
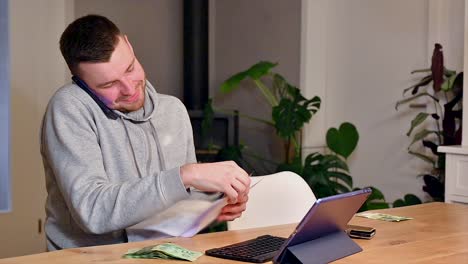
[120, 82]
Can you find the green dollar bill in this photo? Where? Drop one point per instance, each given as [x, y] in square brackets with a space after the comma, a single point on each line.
[131, 251]
[153, 255]
[177, 251]
[383, 217]
[163, 251]
[140, 251]
[146, 252]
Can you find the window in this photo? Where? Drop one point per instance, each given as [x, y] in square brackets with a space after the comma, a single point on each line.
[5, 186]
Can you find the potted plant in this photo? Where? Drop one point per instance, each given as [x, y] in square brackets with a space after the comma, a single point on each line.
[438, 126]
[326, 173]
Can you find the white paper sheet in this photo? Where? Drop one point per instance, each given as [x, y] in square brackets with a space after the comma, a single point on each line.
[185, 218]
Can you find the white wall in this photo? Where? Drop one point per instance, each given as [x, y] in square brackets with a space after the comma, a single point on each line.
[37, 70]
[370, 47]
[154, 28]
[242, 33]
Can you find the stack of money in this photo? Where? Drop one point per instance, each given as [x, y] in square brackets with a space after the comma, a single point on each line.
[383, 217]
[163, 251]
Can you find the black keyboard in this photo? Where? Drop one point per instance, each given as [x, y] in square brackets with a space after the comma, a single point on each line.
[257, 250]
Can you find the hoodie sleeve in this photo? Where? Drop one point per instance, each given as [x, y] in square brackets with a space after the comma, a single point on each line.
[70, 147]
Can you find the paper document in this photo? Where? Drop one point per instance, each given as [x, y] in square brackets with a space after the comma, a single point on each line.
[185, 218]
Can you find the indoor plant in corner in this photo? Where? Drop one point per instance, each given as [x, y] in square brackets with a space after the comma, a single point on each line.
[444, 120]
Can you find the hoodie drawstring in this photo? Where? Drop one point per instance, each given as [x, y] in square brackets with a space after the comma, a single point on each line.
[131, 146]
[158, 147]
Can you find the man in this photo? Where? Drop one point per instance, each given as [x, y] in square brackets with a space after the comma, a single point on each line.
[116, 152]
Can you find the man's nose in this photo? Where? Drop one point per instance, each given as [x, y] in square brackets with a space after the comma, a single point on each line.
[127, 87]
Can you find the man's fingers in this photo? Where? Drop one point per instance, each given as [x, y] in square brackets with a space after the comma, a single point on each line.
[228, 216]
[243, 198]
[231, 194]
[239, 186]
[234, 208]
[243, 177]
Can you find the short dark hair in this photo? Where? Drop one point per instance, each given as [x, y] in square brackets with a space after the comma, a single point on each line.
[91, 38]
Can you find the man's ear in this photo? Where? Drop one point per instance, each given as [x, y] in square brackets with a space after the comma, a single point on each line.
[128, 43]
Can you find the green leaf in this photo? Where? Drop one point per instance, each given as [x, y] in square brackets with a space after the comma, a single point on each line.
[322, 173]
[448, 72]
[344, 140]
[421, 135]
[339, 188]
[422, 157]
[448, 83]
[404, 101]
[233, 82]
[399, 203]
[376, 194]
[341, 176]
[376, 205]
[313, 157]
[260, 69]
[208, 116]
[411, 199]
[333, 162]
[421, 70]
[423, 82]
[375, 201]
[255, 72]
[419, 119]
[280, 85]
[290, 115]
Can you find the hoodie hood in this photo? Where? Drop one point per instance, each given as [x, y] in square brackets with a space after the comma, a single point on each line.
[147, 111]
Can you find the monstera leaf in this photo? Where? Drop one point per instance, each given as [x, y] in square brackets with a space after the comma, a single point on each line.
[293, 111]
[255, 72]
[326, 174]
[344, 140]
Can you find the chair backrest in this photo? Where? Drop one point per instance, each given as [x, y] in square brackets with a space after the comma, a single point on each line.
[279, 198]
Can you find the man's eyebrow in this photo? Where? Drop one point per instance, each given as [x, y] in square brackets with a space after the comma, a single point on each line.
[128, 69]
[131, 64]
[104, 84]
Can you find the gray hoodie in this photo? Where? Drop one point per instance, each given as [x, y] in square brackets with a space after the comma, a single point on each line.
[104, 175]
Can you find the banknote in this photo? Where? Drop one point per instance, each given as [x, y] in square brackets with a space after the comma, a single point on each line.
[383, 217]
[163, 251]
[177, 251]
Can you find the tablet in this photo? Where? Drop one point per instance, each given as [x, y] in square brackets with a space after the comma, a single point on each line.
[319, 238]
[321, 233]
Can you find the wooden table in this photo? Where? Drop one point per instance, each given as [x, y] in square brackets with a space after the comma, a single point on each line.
[438, 234]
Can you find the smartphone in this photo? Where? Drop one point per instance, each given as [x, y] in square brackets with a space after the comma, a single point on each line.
[109, 112]
[356, 231]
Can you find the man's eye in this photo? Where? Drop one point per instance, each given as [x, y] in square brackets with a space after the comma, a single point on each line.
[107, 85]
[131, 68]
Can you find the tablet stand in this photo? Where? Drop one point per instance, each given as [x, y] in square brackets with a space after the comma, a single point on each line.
[324, 249]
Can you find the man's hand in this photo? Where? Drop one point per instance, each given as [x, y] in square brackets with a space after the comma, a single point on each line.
[233, 211]
[225, 177]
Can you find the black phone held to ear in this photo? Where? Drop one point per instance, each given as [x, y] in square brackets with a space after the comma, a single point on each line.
[109, 112]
